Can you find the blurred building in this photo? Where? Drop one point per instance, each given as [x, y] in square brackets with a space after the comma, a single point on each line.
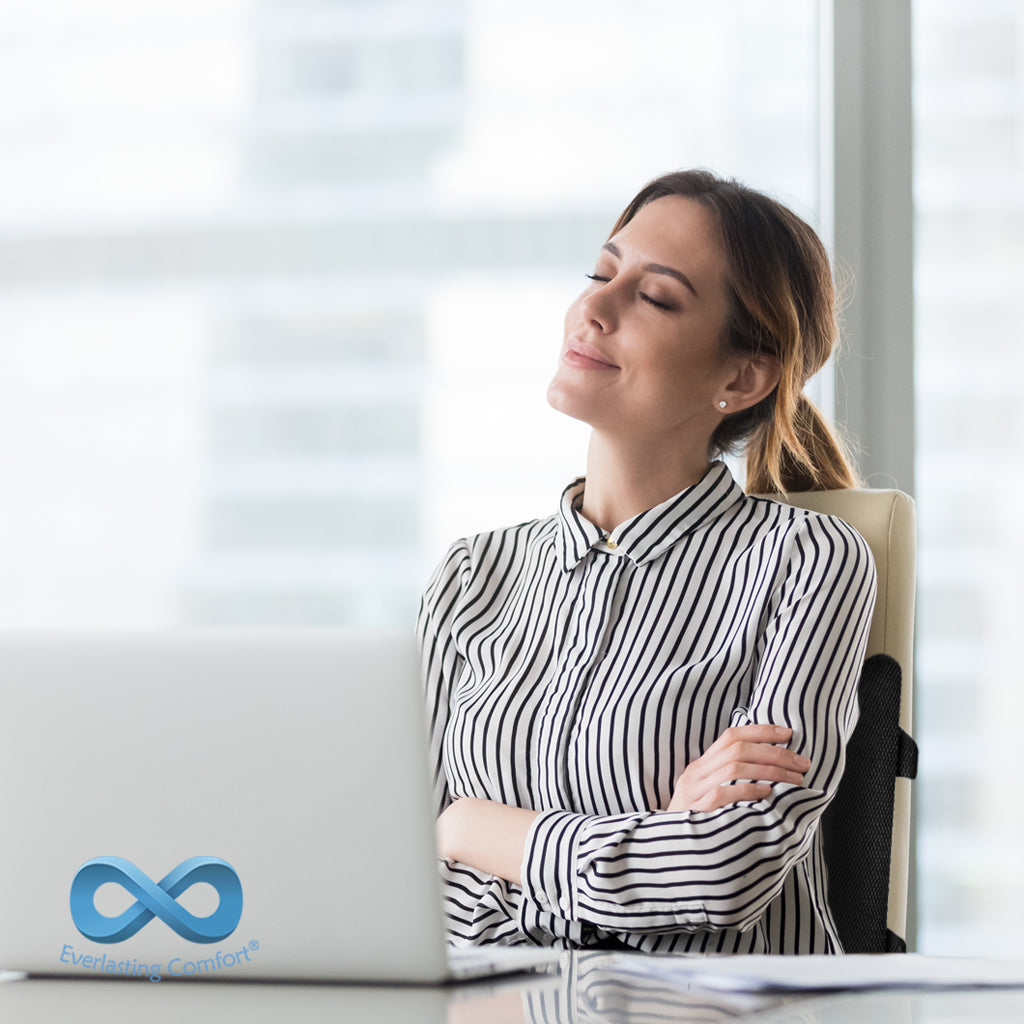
[969, 156]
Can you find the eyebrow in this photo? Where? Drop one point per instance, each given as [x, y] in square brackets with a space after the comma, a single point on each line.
[656, 268]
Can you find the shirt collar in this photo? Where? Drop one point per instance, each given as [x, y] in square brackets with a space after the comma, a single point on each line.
[647, 535]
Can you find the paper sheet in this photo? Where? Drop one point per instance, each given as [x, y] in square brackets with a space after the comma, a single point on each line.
[825, 973]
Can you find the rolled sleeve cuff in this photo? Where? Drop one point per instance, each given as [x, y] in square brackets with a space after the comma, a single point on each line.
[549, 862]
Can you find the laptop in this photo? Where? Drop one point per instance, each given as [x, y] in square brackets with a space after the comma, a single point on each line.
[221, 805]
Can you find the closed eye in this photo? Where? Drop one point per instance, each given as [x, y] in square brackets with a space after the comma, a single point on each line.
[601, 279]
[656, 304]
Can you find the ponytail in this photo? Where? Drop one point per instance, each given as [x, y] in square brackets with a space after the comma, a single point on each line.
[798, 453]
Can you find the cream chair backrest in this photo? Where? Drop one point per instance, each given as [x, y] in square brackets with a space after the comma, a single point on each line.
[887, 520]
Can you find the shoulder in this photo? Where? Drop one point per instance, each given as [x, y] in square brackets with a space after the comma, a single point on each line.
[823, 541]
[797, 516]
[479, 555]
[489, 545]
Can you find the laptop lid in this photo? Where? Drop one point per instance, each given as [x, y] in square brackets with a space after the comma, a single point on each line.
[218, 804]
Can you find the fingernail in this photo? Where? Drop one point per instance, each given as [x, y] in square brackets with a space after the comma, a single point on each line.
[781, 730]
[802, 761]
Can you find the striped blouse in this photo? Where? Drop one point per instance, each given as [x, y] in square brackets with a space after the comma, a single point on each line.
[576, 673]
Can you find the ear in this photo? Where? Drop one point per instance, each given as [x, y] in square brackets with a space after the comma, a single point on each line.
[752, 380]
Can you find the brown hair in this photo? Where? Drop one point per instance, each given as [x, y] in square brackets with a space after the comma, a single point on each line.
[781, 302]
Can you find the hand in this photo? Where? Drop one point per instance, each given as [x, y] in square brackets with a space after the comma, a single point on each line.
[742, 752]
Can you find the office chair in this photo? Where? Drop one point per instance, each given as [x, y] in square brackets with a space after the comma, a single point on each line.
[866, 828]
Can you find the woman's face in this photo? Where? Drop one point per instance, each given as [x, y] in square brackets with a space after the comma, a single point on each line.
[642, 356]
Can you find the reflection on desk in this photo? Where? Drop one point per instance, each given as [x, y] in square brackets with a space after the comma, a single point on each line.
[584, 991]
[581, 992]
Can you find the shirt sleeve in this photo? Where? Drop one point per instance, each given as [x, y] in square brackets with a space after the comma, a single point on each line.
[440, 661]
[667, 871]
[478, 908]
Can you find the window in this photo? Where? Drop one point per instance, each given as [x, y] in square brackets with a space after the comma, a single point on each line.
[281, 283]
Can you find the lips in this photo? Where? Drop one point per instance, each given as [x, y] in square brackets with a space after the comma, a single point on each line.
[579, 353]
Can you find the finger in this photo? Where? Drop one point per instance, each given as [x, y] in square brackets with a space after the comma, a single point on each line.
[723, 796]
[744, 736]
[764, 733]
[719, 796]
[754, 773]
[749, 753]
[767, 753]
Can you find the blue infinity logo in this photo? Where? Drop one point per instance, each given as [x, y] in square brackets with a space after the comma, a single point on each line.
[156, 899]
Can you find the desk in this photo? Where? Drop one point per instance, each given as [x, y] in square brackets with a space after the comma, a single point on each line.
[583, 992]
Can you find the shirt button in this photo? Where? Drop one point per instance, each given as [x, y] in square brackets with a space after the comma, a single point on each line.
[610, 544]
[564, 903]
[542, 900]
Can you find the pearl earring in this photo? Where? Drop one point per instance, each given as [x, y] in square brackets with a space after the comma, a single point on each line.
[722, 404]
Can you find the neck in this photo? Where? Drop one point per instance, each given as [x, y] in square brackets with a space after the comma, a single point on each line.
[626, 478]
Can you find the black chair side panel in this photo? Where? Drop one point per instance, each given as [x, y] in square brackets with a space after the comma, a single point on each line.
[857, 825]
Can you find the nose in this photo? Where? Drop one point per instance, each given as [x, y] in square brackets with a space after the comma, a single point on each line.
[598, 307]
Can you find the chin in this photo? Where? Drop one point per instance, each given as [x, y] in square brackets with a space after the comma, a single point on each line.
[562, 400]
[580, 398]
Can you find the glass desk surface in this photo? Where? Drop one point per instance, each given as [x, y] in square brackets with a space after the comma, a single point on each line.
[583, 991]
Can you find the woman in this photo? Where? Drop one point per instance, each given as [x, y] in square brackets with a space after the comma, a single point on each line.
[639, 706]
